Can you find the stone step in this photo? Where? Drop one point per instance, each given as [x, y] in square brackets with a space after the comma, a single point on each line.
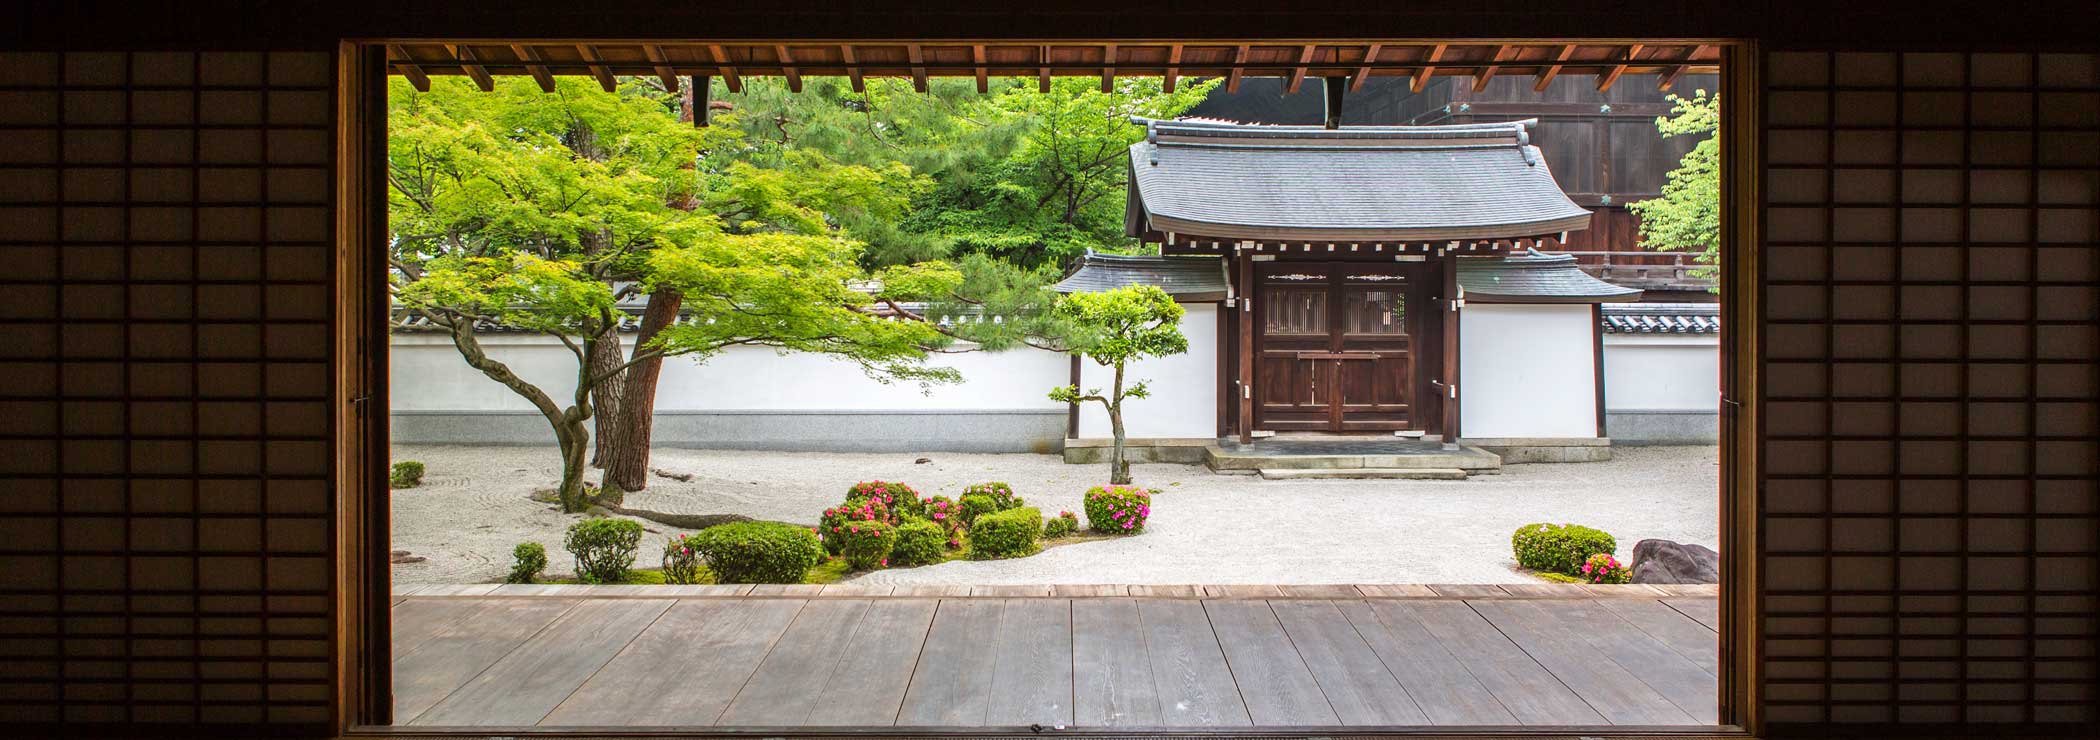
[1468, 458]
[1361, 473]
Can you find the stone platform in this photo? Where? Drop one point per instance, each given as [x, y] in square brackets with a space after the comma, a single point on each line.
[1343, 453]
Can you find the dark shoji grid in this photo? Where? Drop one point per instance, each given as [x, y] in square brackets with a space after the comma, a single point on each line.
[1932, 255]
[165, 302]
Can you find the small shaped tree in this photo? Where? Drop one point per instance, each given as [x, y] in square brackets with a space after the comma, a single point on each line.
[1112, 328]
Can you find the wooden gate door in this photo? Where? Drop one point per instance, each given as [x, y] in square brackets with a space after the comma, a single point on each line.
[1335, 346]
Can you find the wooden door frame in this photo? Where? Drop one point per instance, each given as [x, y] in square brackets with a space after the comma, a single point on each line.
[361, 695]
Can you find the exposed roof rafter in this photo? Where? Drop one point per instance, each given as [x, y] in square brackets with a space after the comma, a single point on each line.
[1546, 77]
[663, 66]
[479, 73]
[1364, 73]
[604, 75]
[1436, 54]
[1480, 80]
[410, 69]
[1606, 80]
[538, 71]
[729, 75]
[787, 67]
[1297, 77]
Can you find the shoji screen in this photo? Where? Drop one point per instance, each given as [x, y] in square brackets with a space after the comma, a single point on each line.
[164, 375]
[1930, 416]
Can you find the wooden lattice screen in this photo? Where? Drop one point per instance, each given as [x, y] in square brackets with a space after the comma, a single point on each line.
[1929, 448]
[165, 513]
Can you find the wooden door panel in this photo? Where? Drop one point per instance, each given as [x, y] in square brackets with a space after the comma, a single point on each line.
[1335, 346]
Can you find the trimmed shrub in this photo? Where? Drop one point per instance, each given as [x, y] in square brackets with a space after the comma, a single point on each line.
[1117, 509]
[945, 512]
[1062, 525]
[867, 545]
[405, 474]
[900, 499]
[976, 505]
[681, 564]
[1002, 495]
[528, 560]
[1560, 548]
[758, 552]
[919, 542]
[604, 548]
[1602, 568]
[1005, 534]
[832, 526]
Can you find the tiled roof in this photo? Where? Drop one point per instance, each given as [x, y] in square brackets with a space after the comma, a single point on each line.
[1534, 278]
[1662, 318]
[1367, 183]
[1185, 278]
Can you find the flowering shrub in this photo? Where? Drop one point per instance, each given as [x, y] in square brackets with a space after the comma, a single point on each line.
[1002, 495]
[975, 505]
[1601, 568]
[945, 512]
[900, 499]
[1560, 548]
[867, 544]
[1117, 509]
[531, 558]
[758, 552]
[832, 526]
[1005, 534]
[1062, 525]
[919, 542]
[604, 548]
[681, 563]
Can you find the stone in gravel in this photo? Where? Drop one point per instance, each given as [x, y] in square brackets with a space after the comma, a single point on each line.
[922, 461]
[1663, 561]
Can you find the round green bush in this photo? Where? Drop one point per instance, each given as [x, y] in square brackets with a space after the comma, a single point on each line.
[1062, 525]
[1559, 548]
[1005, 534]
[604, 548]
[1117, 509]
[405, 474]
[681, 564]
[867, 545]
[758, 552]
[975, 505]
[529, 559]
[1002, 495]
[919, 542]
[900, 499]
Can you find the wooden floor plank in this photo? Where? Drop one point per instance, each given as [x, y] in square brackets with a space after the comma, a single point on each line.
[1032, 678]
[684, 669]
[1707, 612]
[868, 686]
[783, 691]
[1111, 671]
[1193, 681]
[1683, 635]
[1357, 684]
[1525, 688]
[1689, 687]
[1608, 688]
[531, 680]
[954, 677]
[454, 640]
[1273, 680]
[1440, 684]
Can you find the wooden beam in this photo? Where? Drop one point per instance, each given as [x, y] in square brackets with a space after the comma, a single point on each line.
[466, 58]
[1480, 81]
[1553, 70]
[663, 66]
[1669, 76]
[1108, 68]
[409, 68]
[1173, 68]
[729, 76]
[1606, 80]
[1364, 72]
[1436, 54]
[538, 71]
[918, 67]
[605, 78]
[787, 67]
[984, 82]
[1298, 73]
[1232, 74]
[852, 68]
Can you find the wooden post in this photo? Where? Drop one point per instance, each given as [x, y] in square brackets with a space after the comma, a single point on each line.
[701, 93]
[1454, 302]
[1245, 369]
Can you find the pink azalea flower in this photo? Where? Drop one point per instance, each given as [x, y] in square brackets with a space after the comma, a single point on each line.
[885, 562]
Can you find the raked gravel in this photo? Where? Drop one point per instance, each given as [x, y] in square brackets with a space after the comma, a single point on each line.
[474, 506]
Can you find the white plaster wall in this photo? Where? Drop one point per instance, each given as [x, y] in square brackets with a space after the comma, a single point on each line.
[428, 375]
[1184, 401]
[1667, 372]
[1527, 371]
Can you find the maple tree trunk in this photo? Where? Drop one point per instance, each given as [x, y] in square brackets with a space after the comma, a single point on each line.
[627, 464]
[605, 396]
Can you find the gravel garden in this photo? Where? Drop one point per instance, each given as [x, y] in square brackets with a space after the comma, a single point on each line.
[474, 507]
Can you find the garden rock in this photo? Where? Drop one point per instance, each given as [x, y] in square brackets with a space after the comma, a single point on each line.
[1663, 561]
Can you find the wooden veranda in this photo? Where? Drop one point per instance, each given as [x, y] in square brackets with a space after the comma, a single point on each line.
[1052, 658]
